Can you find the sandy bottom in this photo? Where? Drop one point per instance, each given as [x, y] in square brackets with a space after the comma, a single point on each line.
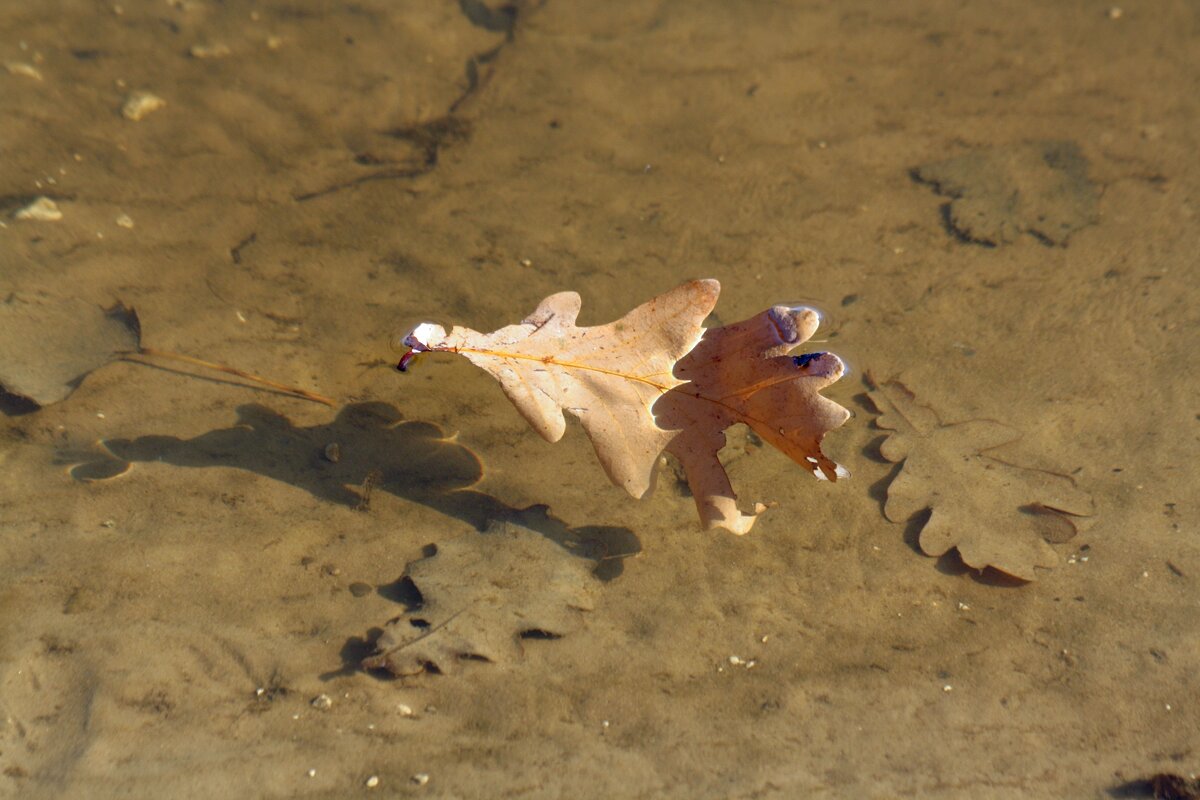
[323, 175]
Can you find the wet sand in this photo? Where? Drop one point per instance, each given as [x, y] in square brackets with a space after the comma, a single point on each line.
[321, 176]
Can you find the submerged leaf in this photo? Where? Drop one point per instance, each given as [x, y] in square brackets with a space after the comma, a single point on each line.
[48, 346]
[480, 594]
[1039, 188]
[996, 514]
[656, 380]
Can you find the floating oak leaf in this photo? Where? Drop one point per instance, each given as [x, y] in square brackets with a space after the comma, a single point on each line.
[742, 373]
[608, 376]
[650, 382]
[997, 514]
[480, 595]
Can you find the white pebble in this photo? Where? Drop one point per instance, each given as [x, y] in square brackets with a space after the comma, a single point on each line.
[23, 69]
[125, 221]
[372, 781]
[421, 778]
[947, 688]
[209, 51]
[404, 709]
[312, 773]
[322, 702]
[139, 104]
[43, 209]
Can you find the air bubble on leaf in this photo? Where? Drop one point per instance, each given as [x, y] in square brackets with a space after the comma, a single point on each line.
[817, 308]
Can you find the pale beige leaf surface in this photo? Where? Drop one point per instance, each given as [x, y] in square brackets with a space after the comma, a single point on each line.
[656, 380]
[479, 594]
[996, 514]
[608, 375]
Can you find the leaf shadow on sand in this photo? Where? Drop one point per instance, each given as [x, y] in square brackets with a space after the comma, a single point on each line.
[368, 447]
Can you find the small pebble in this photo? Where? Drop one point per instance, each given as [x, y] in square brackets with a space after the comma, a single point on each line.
[405, 710]
[23, 69]
[372, 781]
[208, 51]
[43, 210]
[333, 452]
[125, 221]
[947, 688]
[139, 104]
[312, 773]
[421, 778]
[360, 589]
[1115, 12]
[108, 523]
[322, 702]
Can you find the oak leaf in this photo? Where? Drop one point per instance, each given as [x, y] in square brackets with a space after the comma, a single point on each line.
[48, 345]
[656, 380]
[480, 595]
[742, 373]
[997, 514]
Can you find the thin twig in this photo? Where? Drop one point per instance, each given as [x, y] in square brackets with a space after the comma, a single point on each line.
[199, 362]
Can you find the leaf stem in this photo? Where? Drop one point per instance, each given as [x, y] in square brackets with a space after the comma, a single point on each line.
[249, 376]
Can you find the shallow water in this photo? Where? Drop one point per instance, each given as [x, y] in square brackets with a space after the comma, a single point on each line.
[346, 169]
